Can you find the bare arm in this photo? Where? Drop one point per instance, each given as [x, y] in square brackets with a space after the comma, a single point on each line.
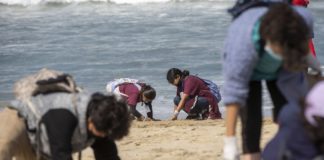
[178, 108]
[136, 113]
[231, 119]
[230, 150]
[182, 102]
[175, 107]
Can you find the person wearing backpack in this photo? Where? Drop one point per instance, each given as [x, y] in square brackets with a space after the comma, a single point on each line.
[51, 119]
[301, 129]
[261, 43]
[193, 96]
[134, 92]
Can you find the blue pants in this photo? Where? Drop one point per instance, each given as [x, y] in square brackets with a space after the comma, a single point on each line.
[200, 107]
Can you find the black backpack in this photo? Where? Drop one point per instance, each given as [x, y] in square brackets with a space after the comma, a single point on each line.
[243, 5]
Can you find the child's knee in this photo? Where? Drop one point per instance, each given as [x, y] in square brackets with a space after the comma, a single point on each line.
[176, 100]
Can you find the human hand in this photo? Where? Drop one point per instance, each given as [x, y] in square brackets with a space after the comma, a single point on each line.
[175, 115]
[147, 119]
[230, 151]
[142, 118]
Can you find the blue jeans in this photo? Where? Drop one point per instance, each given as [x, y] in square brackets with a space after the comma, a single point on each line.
[200, 107]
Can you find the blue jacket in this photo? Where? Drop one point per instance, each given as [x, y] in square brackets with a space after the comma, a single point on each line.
[291, 141]
[240, 56]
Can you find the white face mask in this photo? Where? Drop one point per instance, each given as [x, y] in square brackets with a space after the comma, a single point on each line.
[273, 54]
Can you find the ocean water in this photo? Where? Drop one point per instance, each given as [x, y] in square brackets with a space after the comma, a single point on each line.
[99, 40]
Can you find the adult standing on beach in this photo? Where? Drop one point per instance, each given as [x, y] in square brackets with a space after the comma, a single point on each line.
[51, 119]
[260, 44]
[193, 96]
[134, 92]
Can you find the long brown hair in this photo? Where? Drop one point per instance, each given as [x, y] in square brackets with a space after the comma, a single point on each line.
[284, 26]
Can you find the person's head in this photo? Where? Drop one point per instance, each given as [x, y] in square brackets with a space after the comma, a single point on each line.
[286, 34]
[107, 116]
[175, 75]
[314, 115]
[147, 93]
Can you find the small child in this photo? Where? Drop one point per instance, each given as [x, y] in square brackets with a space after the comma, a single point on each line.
[60, 130]
[135, 92]
[51, 119]
[193, 96]
[301, 129]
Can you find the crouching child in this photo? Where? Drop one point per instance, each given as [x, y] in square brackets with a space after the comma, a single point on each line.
[53, 120]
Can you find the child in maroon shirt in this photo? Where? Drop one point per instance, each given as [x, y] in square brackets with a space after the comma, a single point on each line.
[193, 96]
[135, 93]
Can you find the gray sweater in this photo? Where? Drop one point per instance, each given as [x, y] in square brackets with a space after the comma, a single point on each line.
[42, 104]
[240, 56]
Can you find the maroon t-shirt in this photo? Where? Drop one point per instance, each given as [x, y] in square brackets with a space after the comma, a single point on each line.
[132, 92]
[133, 97]
[194, 86]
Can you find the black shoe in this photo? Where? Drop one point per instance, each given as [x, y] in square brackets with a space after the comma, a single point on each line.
[193, 116]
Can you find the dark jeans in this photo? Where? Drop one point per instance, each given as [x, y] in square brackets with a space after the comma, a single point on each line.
[251, 114]
[200, 107]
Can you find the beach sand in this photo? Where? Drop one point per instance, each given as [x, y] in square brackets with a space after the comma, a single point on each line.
[178, 140]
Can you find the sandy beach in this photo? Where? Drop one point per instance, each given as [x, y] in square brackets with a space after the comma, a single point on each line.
[178, 140]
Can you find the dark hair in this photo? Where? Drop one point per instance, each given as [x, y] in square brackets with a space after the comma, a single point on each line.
[284, 26]
[148, 92]
[173, 72]
[109, 115]
[316, 133]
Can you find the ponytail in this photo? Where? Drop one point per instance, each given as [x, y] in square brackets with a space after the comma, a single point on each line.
[174, 72]
[185, 73]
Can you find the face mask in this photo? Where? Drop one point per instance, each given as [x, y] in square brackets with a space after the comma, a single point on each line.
[147, 101]
[272, 53]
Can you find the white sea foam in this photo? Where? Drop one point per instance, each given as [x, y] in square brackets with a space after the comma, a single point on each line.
[138, 1]
[133, 2]
[36, 2]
